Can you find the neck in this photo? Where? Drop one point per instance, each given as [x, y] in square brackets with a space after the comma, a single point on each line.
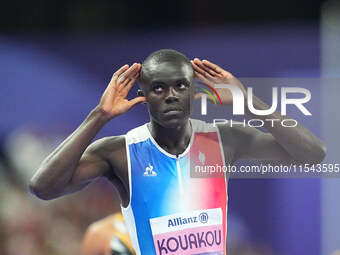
[173, 140]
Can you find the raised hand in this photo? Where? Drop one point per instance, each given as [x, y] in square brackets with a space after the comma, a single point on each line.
[113, 101]
[211, 74]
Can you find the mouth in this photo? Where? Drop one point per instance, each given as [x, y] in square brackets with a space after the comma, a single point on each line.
[173, 110]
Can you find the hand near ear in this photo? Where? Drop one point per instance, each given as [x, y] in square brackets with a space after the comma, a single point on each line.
[211, 74]
[113, 101]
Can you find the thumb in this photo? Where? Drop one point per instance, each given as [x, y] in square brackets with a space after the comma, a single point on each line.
[137, 100]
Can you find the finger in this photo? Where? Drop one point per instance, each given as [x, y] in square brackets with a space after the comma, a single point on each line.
[197, 66]
[205, 82]
[119, 72]
[208, 71]
[131, 82]
[203, 79]
[206, 68]
[200, 70]
[216, 68]
[137, 100]
[124, 82]
[129, 73]
[194, 66]
[134, 70]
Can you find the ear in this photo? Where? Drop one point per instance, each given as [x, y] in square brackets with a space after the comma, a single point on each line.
[140, 93]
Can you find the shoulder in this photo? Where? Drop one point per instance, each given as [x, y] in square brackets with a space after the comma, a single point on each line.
[237, 134]
[111, 141]
[105, 146]
[232, 131]
[236, 129]
[108, 149]
[202, 126]
[138, 134]
[247, 142]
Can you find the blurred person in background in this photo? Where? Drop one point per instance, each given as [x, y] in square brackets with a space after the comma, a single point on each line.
[108, 236]
[25, 222]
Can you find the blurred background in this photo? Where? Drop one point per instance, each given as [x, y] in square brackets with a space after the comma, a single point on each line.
[56, 58]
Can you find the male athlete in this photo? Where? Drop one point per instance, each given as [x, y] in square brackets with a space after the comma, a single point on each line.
[166, 211]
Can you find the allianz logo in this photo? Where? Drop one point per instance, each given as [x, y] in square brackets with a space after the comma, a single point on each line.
[203, 218]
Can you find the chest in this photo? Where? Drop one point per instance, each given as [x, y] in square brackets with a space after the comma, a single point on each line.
[169, 184]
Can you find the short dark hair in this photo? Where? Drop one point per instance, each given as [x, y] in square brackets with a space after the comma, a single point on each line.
[165, 55]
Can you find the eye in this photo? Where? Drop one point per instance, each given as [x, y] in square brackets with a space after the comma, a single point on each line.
[158, 88]
[182, 85]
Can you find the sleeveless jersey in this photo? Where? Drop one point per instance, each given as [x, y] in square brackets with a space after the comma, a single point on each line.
[160, 183]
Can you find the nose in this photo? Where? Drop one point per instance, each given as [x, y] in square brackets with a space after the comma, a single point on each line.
[172, 96]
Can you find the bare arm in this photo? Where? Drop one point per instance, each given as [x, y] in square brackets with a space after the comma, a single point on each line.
[75, 164]
[282, 145]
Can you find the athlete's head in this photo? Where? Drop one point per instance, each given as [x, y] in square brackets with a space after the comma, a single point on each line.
[167, 82]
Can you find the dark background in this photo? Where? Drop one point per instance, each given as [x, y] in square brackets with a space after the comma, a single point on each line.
[88, 16]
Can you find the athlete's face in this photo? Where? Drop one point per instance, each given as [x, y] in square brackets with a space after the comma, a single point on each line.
[169, 91]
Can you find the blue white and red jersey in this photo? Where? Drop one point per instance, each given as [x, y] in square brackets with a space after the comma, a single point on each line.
[161, 185]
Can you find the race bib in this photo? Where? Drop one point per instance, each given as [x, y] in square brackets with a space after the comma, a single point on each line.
[197, 232]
